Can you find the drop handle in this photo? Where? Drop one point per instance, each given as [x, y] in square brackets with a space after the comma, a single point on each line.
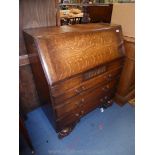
[83, 88]
[110, 101]
[82, 112]
[109, 77]
[106, 98]
[77, 91]
[106, 88]
[82, 100]
[80, 89]
[79, 103]
[77, 114]
[101, 100]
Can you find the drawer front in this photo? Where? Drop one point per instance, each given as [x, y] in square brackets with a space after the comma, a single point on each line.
[75, 82]
[95, 82]
[76, 114]
[85, 98]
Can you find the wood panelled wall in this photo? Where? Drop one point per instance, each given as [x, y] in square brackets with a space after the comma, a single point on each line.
[32, 13]
[126, 87]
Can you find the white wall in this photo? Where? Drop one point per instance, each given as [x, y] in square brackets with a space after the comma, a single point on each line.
[124, 14]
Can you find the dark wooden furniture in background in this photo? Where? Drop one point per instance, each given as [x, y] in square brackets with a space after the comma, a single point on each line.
[76, 68]
[71, 21]
[126, 87]
[93, 13]
[100, 13]
[33, 13]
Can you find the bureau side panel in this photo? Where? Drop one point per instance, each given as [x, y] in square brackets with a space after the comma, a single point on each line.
[42, 86]
[37, 70]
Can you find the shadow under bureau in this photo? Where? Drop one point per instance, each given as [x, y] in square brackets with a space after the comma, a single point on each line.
[76, 68]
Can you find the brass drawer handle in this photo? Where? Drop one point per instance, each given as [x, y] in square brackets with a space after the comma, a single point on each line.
[109, 77]
[77, 114]
[106, 88]
[82, 100]
[101, 100]
[83, 88]
[79, 103]
[82, 112]
[106, 97]
[77, 91]
[109, 101]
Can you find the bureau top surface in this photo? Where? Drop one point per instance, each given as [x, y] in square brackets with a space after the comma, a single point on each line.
[47, 31]
[69, 50]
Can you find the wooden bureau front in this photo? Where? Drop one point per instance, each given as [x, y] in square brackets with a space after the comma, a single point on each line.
[76, 68]
[83, 104]
[95, 91]
[84, 84]
[87, 79]
[83, 98]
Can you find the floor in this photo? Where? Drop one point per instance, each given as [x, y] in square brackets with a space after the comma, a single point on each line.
[111, 132]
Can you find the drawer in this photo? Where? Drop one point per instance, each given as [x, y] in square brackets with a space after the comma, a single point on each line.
[89, 84]
[75, 115]
[84, 98]
[75, 82]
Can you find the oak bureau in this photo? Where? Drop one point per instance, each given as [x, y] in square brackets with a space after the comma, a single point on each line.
[76, 68]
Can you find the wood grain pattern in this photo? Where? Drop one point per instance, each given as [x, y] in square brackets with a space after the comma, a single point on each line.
[78, 81]
[85, 85]
[85, 97]
[83, 52]
[71, 64]
[91, 103]
[35, 13]
[77, 48]
[37, 70]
